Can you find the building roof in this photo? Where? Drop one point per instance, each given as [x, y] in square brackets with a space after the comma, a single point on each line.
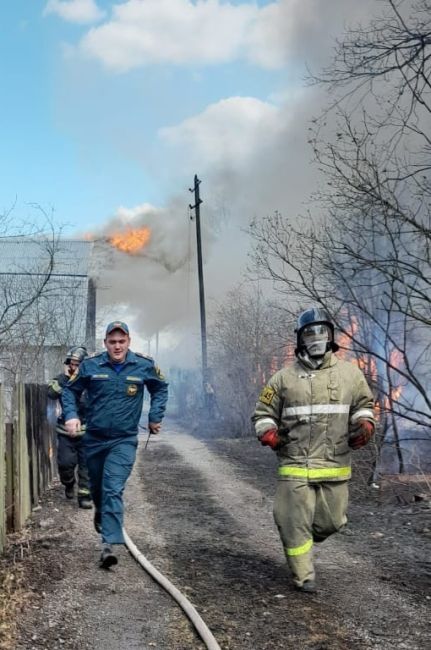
[58, 315]
[24, 255]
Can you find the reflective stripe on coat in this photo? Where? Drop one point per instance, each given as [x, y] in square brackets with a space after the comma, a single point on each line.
[315, 411]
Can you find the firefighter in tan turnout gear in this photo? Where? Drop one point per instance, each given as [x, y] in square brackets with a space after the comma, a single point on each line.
[313, 413]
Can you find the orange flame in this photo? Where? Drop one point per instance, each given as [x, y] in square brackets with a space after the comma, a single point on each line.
[131, 241]
[289, 352]
[344, 340]
[395, 359]
[273, 366]
[368, 366]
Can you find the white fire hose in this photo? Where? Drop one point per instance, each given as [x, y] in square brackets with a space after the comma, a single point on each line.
[201, 628]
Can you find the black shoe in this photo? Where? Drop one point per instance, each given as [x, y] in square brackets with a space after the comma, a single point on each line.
[97, 522]
[308, 587]
[69, 491]
[107, 558]
[85, 502]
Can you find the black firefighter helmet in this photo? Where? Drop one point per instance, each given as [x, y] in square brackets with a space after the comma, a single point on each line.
[77, 353]
[313, 316]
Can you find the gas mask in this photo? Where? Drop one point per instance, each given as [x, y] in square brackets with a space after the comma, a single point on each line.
[315, 339]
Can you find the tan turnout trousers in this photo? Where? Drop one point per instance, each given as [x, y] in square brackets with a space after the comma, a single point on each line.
[305, 513]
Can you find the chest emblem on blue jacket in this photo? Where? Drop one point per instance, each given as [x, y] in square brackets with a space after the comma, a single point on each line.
[132, 389]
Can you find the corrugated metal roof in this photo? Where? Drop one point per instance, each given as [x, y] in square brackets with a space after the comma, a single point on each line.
[22, 255]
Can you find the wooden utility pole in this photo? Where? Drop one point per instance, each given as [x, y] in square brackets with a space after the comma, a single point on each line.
[196, 208]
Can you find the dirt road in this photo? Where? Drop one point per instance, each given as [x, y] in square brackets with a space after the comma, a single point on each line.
[202, 513]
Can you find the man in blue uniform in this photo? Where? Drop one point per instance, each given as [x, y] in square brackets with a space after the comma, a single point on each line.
[114, 381]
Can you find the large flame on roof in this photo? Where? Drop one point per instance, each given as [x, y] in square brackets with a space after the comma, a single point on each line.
[131, 240]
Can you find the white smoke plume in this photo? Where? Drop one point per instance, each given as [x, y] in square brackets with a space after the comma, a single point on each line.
[157, 286]
[253, 157]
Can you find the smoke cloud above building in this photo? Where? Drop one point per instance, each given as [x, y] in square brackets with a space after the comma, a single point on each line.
[252, 153]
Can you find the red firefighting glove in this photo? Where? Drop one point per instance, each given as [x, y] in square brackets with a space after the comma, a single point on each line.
[363, 436]
[270, 438]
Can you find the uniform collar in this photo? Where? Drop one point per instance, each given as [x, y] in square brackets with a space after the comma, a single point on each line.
[329, 360]
[130, 358]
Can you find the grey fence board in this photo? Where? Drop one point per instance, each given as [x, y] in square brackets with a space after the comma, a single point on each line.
[27, 457]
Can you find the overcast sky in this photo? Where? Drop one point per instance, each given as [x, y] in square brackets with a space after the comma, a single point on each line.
[109, 108]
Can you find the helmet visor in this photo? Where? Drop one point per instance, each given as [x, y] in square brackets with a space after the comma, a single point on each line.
[315, 339]
[318, 330]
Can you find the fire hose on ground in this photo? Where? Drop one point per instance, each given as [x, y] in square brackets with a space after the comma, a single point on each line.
[200, 626]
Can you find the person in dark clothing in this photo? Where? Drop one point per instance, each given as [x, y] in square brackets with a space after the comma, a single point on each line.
[114, 381]
[70, 449]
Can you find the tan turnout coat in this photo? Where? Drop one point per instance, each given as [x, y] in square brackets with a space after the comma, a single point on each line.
[315, 412]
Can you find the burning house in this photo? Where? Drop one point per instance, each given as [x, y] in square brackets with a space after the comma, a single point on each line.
[131, 240]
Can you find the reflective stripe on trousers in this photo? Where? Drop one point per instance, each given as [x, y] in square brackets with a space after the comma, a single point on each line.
[305, 513]
[300, 550]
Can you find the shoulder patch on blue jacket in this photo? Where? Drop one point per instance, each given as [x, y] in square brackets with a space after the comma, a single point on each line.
[159, 373]
[144, 356]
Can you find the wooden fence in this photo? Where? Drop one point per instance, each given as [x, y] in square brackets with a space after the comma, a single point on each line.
[27, 454]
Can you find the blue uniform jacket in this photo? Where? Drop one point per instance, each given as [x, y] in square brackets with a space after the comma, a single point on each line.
[114, 400]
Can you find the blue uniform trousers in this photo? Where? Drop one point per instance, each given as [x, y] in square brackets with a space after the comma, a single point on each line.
[110, 462]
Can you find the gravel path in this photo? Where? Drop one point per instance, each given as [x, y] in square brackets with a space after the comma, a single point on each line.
[368, 606]
[201, 511]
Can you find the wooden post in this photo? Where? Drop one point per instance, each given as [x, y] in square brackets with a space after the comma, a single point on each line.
[8, 427]
[32, 418]
[22, 500]
[2, 477]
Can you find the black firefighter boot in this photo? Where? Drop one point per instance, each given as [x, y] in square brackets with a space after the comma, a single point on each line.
[97, 521]
[69, 490]
[84, 499]
[308, 587]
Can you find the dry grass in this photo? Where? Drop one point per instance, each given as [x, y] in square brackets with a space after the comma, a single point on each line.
[405, 488]
[13, 594]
